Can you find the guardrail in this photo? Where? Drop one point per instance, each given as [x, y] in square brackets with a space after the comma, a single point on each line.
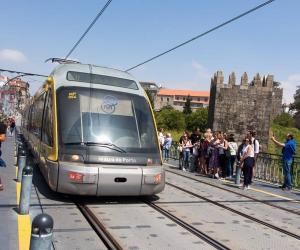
[268, 167]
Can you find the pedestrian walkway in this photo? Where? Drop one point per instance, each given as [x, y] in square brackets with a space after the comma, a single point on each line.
[260, 190]
[8, 200]
[71, 230]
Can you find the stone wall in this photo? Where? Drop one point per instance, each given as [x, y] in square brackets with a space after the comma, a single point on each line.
[237, 109]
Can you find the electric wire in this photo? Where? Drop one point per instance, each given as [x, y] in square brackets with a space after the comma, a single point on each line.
[88, 29]
[203, 34]
[21, 73]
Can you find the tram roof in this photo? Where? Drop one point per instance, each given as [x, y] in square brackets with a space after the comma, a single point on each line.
[61, 71]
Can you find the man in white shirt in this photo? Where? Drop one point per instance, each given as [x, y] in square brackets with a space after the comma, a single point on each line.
[161, 138]
[255, 144]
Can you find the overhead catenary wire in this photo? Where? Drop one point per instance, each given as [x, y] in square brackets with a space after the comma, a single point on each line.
[88, 29]
[202, 34]
[21, 73]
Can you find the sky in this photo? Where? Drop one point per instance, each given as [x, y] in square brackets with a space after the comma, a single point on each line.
[129, 32]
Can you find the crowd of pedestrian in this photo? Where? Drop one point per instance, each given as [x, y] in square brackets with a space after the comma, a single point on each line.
[215, 154]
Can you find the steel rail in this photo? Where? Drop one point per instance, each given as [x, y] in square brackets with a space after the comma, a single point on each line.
[237, 212]
[188, 227]
[99, 228]
[237, 193]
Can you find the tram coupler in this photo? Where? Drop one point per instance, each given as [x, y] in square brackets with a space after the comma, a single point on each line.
[41, 232]
[24, 205]
[21, 164]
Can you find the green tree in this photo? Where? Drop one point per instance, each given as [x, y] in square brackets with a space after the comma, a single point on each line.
[276, 84]
[285, 120]
[170, 119]
[198, 119]
[187, 106]
[296, 104]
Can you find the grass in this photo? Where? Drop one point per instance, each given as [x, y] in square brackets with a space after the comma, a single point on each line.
[280, 135]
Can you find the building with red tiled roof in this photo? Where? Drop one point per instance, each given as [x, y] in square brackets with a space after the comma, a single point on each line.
[176, 98]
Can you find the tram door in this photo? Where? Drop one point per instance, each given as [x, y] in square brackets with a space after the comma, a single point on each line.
[50, 166]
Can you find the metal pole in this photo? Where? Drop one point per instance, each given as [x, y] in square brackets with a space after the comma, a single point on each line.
[21, 165]
[26, 190]
[41, 232]
[20, 149]
[238, 174]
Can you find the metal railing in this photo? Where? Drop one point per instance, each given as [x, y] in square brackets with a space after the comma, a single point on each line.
[268, 167]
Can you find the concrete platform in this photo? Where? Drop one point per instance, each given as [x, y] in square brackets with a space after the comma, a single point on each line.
[260, 189]
[71, 230]
[8, 200]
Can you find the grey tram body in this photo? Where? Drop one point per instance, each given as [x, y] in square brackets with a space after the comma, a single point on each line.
[103, 171]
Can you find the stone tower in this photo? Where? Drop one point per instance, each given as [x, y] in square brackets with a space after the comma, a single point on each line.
[237, 109]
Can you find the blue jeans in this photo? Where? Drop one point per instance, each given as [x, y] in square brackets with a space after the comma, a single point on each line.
[166, 154]
[287, 168]
[186, 156]
[2, 163]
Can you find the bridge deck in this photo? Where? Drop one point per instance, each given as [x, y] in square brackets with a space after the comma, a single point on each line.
[217, 208]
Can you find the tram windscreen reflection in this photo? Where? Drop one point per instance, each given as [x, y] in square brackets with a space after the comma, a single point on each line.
[102, 116]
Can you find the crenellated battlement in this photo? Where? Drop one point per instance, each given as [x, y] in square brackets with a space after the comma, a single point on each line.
[258, 81]
[250, 105]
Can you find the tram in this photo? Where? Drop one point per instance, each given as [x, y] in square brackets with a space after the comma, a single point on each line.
[91, 130]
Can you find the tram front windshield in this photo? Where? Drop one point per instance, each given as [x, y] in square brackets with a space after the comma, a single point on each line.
[102, 117]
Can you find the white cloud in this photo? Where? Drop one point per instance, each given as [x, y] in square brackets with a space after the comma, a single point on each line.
[289, 87]
[201, 72]
[195, 77]
[12, 56]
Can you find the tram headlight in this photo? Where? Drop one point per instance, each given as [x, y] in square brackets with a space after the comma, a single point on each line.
[73, 158]
[153, 179]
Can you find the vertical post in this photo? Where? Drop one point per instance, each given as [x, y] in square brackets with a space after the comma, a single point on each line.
[20, 148]
[238, 173]
[21, 165]
[41, 232]
[26, 190]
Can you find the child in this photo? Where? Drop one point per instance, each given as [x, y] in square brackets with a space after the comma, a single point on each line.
[167, 146]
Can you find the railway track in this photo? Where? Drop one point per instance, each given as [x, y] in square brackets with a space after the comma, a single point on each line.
[237, 212]
[99, 228]
[237, 193]
[188, 227]
[111, 243]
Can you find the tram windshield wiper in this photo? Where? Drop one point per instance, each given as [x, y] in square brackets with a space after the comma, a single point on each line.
[74, 143]
[90, 143]
[108, 145]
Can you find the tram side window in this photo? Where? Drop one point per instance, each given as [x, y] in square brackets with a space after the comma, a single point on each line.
[47, 121]
[29, 118]
[32, 118]
[37, 114]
